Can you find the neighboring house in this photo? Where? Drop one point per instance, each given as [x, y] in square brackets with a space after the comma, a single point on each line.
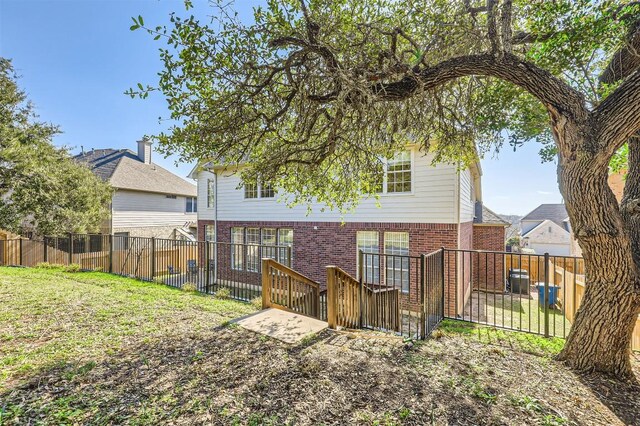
[546, 229]
[422, 208]
[149, 201]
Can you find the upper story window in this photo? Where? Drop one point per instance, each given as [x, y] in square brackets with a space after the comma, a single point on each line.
[259, 190]
[250, 190]
[398, 173]
[211, 193]
[192, 205]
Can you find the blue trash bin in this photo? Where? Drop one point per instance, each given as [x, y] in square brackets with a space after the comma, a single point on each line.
[553, 294]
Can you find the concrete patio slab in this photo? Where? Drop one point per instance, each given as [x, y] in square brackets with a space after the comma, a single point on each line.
[285, 326]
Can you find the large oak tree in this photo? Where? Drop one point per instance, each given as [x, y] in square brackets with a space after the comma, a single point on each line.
[312, 94]
[42, 189]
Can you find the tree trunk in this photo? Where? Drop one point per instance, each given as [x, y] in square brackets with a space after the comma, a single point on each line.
[600, 337]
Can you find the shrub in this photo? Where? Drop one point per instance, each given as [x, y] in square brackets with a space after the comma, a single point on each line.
[257, 302]
[73, 267]
[190, 287]
[47, 265]
[223, 293]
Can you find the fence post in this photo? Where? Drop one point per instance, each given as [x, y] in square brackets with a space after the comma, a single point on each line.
[110, 253]
[266, 284]
[423, 308]
[361, 282]
[442, 266]
[21, 258]
[546, 295]
[70, 248]
[207, 267]
[331, 297]
[44, 253]
[153, 258]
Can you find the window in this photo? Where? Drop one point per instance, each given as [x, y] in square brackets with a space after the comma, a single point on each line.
[211, 193]
[250, 190]
[397, 268]
[285, 238]
[269, 239]
[192, 205]
[253, 249]
[398, 176]
[259, 190]
[368, 242]
[266, 191]
[237, 248]
[209, 233]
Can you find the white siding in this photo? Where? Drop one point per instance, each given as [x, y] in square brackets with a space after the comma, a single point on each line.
[433, 200]
[204, 213]
[467, 197]
[141, 209]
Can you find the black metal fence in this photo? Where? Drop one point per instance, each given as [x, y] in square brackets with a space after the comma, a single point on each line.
[518, 291]
[406, 294]
[410, 287]
[205, 266]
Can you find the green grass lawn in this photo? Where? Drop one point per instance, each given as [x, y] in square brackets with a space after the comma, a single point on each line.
[519, 312]
[50, 317]
[96, 349]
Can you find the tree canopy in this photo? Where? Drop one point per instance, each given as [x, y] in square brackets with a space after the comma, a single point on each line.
[42, 189]
[313, 95]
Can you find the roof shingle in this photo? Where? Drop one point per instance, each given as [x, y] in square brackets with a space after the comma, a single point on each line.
[124, 170]
[556, 213]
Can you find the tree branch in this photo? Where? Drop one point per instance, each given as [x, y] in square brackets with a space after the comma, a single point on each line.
[543, 85]
[619, 114]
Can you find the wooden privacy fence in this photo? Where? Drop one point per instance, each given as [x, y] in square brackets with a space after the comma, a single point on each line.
[572, 291]
[534, 263]
[284, 288]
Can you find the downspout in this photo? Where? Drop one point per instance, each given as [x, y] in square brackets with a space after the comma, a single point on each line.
[461, 297]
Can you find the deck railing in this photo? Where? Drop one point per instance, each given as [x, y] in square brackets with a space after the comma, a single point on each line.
[284, 288]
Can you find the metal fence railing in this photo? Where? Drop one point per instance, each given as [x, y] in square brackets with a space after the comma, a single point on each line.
[518, 291]
[204, 265]
[405, 294]
[409, 285]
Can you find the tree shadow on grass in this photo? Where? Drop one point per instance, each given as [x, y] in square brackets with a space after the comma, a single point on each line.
[229, 375]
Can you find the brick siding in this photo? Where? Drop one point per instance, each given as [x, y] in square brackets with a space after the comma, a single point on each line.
[318, 244]
[488, 268]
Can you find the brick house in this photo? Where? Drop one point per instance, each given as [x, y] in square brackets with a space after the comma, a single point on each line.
[422, 208]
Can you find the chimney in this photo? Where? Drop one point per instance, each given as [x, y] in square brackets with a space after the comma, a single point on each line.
[144, 150]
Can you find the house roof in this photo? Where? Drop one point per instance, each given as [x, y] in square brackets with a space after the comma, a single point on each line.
[541, 226]
[556, 213]
[124, 170]
[485, 216]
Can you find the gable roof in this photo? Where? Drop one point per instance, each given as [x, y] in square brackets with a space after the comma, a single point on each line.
[124, 170]
[486, 216]
[556, 213]
[542, 225]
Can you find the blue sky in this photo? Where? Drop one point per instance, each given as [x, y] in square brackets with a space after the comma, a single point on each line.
[77, 57]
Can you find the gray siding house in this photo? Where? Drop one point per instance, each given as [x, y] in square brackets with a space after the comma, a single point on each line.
[149, 201]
